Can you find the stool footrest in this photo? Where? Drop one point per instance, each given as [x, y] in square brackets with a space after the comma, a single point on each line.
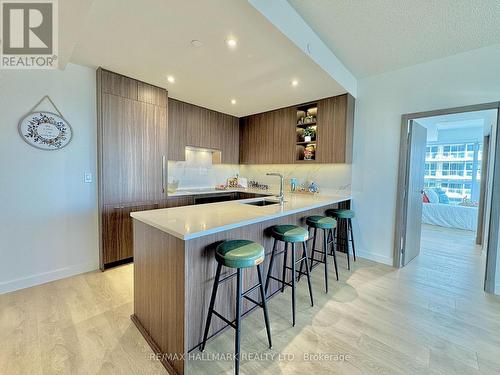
[231, 323]
[250, 290]
[296, 270]
[227, 278]
[254, 301]
[279, 280]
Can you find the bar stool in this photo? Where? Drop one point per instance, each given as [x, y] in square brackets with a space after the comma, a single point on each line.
[344, 215]
[289, 234]
[238, 254]
[327, 224]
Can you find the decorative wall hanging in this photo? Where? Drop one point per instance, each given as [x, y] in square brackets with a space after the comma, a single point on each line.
[45, 130]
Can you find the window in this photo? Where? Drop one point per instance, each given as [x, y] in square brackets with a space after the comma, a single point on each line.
[458, 151]
[430, 169]
[431, 152]
[446, 151]
[430, 183]
[470, 150]
[468, 169]
[453, 169]
[455, 151]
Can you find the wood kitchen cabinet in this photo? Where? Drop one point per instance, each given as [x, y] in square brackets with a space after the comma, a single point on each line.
[179, 201]
[335, 129]
[117, 234]
[191, 125]
[271, 138]
[268, 138]
[132, 154]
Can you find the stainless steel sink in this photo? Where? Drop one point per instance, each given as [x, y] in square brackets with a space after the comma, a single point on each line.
[261, 203]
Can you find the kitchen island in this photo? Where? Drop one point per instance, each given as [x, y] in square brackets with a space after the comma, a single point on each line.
[174, 265]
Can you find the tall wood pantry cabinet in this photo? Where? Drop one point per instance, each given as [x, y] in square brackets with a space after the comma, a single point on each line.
[132, 158]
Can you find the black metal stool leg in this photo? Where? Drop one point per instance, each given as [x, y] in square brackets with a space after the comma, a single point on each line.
[331, 239]
[285, 258]
[264, 305]
[334, 255]
[325, 249]
[304, 260]
[313, 247]
[307, 273]
[238, 323]
[352, 239]
[293, 284]
[347, 244]
[271, 264]
[211, 307]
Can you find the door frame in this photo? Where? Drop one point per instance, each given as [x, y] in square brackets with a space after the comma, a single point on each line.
[402, 186]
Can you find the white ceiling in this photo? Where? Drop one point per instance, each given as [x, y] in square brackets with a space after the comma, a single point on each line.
[375, 36]
[150, 39]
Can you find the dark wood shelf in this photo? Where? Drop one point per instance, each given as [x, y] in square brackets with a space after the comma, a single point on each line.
[307, 125]
[306, 143]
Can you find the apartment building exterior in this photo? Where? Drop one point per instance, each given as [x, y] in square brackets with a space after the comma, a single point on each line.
[455, 168]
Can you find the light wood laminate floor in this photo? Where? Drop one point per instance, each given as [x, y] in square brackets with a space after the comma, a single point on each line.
[431, 317]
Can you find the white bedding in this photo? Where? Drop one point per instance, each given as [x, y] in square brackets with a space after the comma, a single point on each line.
[450, 216]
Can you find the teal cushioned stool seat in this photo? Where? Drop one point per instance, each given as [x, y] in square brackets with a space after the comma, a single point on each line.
[321, 222]
[239, 253]
[290, 233]
[340, 213]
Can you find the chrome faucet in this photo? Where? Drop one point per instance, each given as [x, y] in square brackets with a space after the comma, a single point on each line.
[281, 195]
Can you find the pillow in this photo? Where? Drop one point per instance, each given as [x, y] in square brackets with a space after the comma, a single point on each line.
[432, 196]
[425, 198]
[443, 198]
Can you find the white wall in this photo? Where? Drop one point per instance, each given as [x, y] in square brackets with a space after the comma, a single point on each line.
[48, 220]
[464, 79]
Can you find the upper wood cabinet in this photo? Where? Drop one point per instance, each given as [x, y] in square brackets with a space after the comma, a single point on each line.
[270, 137]
[133, 144]
[191, 125]
[335, 129]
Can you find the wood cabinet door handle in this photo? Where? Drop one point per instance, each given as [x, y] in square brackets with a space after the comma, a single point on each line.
[163, 166]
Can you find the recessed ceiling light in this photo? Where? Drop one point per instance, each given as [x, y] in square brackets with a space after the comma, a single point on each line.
[196, 43]
[233, 101]
[231, 42]
[171, 79]
[295, 82]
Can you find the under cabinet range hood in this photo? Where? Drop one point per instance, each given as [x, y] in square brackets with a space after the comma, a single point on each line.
[216, 154]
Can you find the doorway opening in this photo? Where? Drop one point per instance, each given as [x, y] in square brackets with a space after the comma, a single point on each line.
[446, 210]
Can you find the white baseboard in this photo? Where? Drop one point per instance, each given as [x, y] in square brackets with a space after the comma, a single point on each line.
[45, 277]
[374, 257]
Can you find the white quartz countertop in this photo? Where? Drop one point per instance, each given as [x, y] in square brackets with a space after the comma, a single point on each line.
[195, 221]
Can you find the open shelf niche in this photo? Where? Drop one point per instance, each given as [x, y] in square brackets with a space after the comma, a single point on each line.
[306, 132]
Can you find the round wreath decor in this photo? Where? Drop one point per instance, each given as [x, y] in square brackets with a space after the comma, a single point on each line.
[45, 130]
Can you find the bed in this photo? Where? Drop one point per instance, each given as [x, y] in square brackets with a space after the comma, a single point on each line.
[450, 216]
